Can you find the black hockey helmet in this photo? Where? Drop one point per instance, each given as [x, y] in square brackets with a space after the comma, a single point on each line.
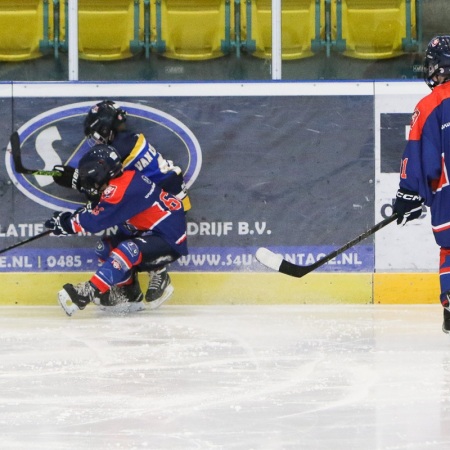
[102, 122]
[437, 60]
[97, 167]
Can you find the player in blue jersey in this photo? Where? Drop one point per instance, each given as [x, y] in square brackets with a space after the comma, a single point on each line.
[105, 123]
[425, 165]
[151, 224]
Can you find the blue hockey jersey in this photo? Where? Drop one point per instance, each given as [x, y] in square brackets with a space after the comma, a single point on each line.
[426, 159]
[134, 204]
[138, 154]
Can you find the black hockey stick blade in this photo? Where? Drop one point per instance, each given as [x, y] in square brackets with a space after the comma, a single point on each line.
[15, 150]
[26, 241]
[17, 159]
[278, 263]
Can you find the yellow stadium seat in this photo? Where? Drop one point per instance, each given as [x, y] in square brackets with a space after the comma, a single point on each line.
[107, 29]
[301, 24]
[373, 29]
[22, 29]
[193, 30]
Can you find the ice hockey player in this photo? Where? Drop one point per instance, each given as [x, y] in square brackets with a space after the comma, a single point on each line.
[425, 163]
[105, 123]
[151, 223]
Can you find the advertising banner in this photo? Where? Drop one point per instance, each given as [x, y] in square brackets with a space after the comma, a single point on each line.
[294, 173]
[412, 247]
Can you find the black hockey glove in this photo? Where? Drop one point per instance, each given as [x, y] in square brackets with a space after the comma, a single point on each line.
[60, 224]
[408, 206]
[173, 183]
[68, 177]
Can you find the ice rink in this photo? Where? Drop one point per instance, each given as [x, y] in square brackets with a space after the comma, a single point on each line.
[225, 377]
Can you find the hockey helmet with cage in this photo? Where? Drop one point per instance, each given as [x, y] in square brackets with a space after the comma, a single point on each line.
[97, 167]
[102, 122]
[437, 60]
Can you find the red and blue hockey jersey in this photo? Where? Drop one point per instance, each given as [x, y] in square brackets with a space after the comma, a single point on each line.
[134, 204]
[426, 159]
[138, 154]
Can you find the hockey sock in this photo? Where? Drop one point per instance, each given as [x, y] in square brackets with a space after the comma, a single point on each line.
[444, 275]
[117, 268]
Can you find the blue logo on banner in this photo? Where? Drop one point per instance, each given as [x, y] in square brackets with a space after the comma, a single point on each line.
[48, 136]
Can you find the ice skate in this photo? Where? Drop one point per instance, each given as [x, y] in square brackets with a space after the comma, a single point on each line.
[73, 298]
[159, 289]
[125, 299]
[446, 322]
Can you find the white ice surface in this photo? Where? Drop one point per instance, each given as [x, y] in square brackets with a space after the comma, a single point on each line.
[225, 377]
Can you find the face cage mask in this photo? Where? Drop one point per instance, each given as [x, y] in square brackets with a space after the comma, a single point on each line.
[95, 139]
[94, 193]
[437, 63]
[438, 71]
[429, 78]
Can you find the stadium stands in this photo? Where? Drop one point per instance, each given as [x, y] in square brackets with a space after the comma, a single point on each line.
[301, 20]
[23, 25]
[195, 30]
[108, 29]
[374, 29]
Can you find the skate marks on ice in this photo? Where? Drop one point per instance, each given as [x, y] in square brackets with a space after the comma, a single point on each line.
[225, 377]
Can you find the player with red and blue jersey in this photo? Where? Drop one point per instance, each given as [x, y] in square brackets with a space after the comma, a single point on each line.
[105, 123]
[151, 224]
[425, 164]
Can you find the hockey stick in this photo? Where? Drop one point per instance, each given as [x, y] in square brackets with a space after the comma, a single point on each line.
[278, 263]
[44, 233]
[17, 159]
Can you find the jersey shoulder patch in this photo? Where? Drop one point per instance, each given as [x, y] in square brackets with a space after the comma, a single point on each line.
[422, 112]
[117, 187]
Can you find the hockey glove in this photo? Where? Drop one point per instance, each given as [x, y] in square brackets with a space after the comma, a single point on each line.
[60, 224]
[173, 183]
[68, 177]
[408, 206]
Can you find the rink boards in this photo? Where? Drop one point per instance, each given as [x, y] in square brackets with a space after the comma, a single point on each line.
[247, 288]
[300, 168]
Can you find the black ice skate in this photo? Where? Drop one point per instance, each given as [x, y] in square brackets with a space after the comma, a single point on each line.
[446, 322]
[76, 297]
[124, 299]
[159, 289]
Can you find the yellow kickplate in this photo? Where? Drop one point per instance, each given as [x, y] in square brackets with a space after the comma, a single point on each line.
[207, 288]
[271, 288]
[406, 288]
[246, 288]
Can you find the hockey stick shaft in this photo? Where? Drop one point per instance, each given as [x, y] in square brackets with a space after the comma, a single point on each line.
[278, 263]
[26, 241]
[17, 159]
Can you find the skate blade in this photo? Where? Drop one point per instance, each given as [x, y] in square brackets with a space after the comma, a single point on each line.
[66, 303]
[155, 304]
[123, 308]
